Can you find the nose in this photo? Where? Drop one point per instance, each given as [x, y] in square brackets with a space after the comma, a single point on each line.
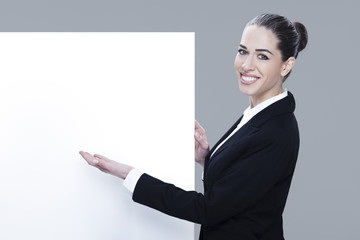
[248, 64]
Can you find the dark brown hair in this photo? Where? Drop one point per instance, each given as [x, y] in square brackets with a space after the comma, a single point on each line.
[292, 36]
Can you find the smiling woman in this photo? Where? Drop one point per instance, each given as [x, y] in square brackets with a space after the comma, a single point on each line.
[247, 174]
[258, 65]
[265, 57]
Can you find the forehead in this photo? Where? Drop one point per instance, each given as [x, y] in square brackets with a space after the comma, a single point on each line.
[255, 37]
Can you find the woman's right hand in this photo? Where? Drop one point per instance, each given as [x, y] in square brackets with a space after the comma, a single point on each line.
[201, 144]
[107, 165]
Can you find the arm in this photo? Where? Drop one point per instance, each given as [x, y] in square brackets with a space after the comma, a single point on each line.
[240, 187]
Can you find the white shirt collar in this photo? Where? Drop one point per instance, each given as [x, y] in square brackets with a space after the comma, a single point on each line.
[251, 112]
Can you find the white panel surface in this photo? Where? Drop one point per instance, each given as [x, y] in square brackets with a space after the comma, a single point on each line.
[127, 96]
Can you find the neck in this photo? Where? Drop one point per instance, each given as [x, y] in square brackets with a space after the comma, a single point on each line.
[256, 99]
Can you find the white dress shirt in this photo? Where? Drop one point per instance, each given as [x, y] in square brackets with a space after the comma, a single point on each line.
[135, 174]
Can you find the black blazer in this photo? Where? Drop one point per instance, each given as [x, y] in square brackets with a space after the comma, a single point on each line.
[246, 181]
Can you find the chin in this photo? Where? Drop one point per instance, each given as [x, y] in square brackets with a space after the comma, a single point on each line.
[246, 90]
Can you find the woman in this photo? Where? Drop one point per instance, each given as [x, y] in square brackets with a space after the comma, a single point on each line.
[247, 174]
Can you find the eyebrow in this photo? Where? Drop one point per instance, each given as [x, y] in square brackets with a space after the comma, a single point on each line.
[260, 50]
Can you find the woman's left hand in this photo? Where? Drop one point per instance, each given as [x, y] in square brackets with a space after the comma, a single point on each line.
[201, 144]
[107, 165]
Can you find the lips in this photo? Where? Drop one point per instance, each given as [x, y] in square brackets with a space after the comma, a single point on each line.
[248, 79]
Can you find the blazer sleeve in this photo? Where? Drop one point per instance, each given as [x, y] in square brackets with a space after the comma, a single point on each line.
[251, 176]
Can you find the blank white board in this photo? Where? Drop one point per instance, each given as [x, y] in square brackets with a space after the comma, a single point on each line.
[128, 96]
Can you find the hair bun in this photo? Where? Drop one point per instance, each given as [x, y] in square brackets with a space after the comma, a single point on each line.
[300, 28]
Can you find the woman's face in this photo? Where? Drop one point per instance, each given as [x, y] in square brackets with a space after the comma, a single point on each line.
[258, 64]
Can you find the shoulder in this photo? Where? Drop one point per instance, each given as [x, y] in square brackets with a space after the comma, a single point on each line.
[277, 119]
[277, 131]
[282, 128]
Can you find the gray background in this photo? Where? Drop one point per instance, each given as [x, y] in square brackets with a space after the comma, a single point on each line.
[324, 197]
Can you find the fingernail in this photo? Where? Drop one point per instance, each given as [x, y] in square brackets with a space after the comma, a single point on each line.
[95, 161]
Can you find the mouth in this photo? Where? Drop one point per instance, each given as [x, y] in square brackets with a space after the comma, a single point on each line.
[248, 79]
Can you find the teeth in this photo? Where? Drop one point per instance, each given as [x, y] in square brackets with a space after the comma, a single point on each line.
[249, 79]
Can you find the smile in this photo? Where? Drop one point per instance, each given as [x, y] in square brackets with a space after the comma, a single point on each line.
[247, 79]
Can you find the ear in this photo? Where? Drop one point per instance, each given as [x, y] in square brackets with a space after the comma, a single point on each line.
[287, 66]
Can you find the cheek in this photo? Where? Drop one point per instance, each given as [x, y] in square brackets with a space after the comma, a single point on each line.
[237, 62]
[271, 71]
[273, 78]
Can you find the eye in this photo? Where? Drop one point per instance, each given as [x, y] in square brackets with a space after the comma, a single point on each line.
[242, 51]
[262, 57]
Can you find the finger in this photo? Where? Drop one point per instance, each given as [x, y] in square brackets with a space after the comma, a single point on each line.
[101, 157]
[201, 140]
[199, 128]
[200, 136]
[204, 144]
[89, 158]
[105, 163]
[197, 125]
[197, 137]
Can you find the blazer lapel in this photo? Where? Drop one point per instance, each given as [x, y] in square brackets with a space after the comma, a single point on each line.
[243, 131]
[282, 106]
[207, 158]
[223, 138]
[230, 147]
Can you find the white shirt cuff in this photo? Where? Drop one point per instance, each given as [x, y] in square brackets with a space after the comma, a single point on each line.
[132, 179]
